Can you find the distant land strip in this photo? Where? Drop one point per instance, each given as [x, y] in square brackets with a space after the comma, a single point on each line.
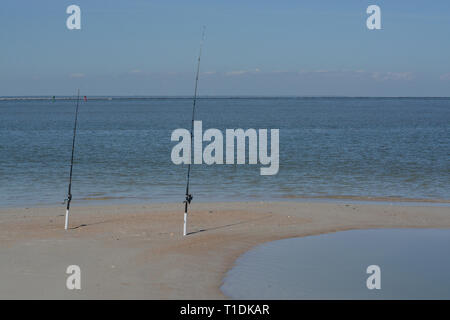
[110, 98]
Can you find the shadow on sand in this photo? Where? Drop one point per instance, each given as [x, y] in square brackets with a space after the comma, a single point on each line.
[228, 225]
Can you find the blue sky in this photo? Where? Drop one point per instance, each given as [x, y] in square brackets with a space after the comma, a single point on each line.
[295, 48]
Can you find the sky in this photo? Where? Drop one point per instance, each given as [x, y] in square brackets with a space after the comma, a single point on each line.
[252, 48]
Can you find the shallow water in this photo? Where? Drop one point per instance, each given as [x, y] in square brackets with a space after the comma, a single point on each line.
[414, 264]
[366, 147]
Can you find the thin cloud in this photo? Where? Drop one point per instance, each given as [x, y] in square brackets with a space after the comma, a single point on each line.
[326, 72]
[379, 76]
[241, 72]
[445, 77]
[384, 76]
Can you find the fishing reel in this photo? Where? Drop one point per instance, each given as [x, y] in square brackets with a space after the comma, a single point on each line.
[68, 199]
[188, 199]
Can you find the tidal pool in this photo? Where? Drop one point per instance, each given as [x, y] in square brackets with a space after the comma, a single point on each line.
[414, 264]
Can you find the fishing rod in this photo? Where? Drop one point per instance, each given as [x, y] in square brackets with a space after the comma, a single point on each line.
[69, 193]
[188, 196]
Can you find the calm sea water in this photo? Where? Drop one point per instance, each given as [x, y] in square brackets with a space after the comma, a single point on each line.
[328, 147]
[414, 264]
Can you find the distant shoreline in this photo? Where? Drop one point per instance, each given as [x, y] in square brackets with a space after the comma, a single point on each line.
[109, 98]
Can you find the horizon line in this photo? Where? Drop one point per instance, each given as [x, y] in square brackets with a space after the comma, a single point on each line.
[149, 97]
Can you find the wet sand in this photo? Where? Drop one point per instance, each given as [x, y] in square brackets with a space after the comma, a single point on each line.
[138, 252]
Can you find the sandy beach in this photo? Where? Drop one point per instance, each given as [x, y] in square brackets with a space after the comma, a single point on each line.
[138, 252]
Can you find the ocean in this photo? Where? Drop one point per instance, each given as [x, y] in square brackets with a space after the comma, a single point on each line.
[330, 148]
